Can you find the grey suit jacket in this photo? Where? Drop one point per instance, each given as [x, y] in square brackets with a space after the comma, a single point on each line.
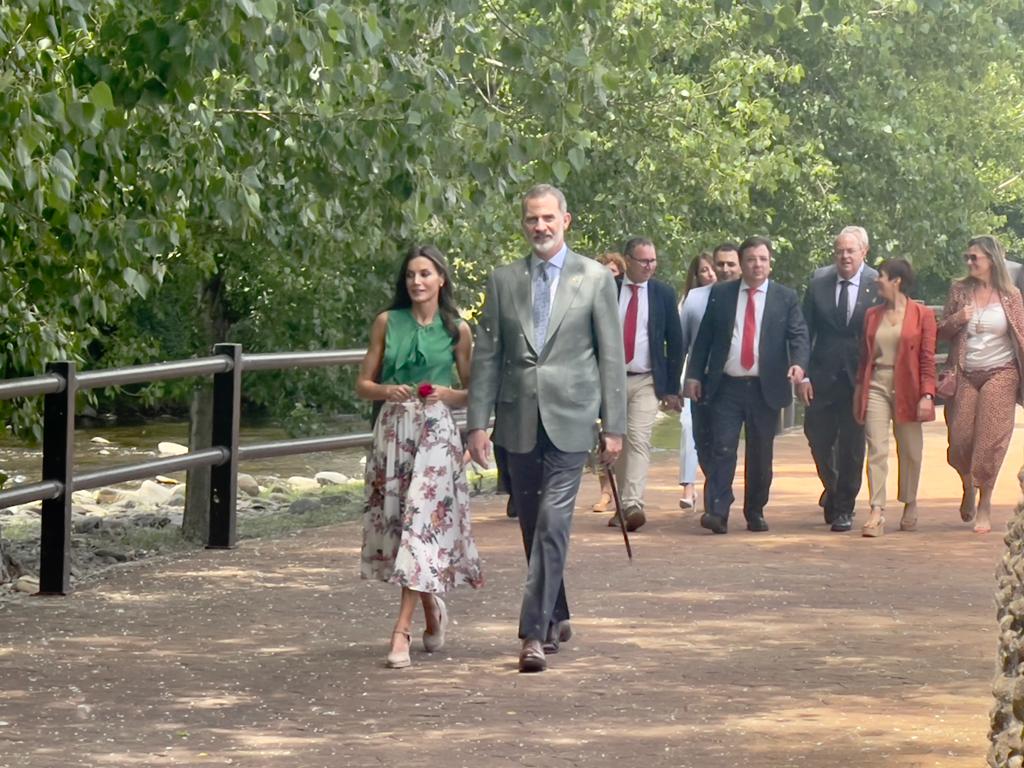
[578, 376]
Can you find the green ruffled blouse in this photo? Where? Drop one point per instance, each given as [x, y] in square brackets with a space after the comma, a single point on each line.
[415, 353]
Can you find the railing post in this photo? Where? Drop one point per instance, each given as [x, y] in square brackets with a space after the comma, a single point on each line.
[227, 402]
[58, 464]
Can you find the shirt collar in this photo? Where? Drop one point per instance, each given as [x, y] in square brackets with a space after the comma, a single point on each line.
[855, 280]
[627, 281]
[745, 286]
[557, 261]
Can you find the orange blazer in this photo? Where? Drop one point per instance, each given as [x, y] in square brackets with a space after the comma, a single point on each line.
[914, 372]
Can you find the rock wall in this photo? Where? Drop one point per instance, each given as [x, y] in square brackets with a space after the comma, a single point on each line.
[1007, 729]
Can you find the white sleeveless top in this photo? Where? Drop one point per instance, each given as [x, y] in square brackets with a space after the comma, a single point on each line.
[988, 339]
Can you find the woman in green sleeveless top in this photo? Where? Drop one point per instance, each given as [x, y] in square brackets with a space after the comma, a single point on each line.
[416, 527]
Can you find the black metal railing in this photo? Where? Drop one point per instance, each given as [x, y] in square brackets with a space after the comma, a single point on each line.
[62, 382]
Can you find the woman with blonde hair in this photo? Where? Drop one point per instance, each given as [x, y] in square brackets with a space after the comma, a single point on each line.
[984, 322]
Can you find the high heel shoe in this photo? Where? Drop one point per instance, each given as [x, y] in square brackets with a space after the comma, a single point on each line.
[603, 504]
[909, 520]
[688, 504]
[876, 529]
[399, 659]
[435, 642]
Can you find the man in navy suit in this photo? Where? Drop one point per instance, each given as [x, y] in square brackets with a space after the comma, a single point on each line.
[653, 342]
[751, 347]
[834, 308]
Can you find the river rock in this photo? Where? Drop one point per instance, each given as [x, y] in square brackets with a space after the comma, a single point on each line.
[167, 448]
[86, 523]
[112, 525]
[111, 554]
[153, 493]
[151, 520]
[103, 452]
[247, 484]
[301, 484]
[304, 505]
[93, 509]
[27, 584]
[177, 498]
[165, 480]
[332, 478]
[83, 497]
[100, 440]
[108, 496]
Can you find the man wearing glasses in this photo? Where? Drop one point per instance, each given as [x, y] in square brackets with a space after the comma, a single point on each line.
[653, 342]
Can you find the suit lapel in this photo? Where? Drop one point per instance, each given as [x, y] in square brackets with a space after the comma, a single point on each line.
[765, 316]
[730, 298]
[522, 293]
[568, 285]
[651, 309]
[865, 296]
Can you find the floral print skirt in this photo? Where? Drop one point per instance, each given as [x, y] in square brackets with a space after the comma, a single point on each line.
[416, 529]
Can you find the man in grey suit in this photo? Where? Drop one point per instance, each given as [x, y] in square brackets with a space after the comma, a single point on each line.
[549, 363]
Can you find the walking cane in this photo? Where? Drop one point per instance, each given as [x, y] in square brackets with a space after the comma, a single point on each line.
[618, 511]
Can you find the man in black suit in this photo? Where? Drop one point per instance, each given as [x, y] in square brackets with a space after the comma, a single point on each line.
[653, 343]
[752, 345]
[834, 308]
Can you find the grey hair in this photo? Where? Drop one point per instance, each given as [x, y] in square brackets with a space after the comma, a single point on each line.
[859, 232]
[543, 190]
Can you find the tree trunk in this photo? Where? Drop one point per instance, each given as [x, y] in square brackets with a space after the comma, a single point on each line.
[195, 524]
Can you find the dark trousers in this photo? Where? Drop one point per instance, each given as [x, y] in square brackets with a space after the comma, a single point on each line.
[837, 445]
[544, 484]
[700, 416]
[738, 404]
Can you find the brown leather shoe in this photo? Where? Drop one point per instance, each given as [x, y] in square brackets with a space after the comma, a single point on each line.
[634, 519]
[559, 632]
[531, 658]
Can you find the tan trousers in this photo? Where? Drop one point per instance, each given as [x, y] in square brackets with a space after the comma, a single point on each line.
[980, 423]
[631, 468]
[909, 442]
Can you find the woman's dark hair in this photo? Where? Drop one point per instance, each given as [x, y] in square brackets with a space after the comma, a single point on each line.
[445, 302]
[692, 272]
[899, 268]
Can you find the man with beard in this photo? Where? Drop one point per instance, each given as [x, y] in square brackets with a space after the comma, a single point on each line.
[549, 363]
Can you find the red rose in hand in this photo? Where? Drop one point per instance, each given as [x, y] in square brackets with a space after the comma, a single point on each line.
[426, 390]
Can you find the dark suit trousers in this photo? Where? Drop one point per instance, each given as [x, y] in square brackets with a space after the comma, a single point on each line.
[837, 445]
[544, 484]
[738, 404]
[700, 415]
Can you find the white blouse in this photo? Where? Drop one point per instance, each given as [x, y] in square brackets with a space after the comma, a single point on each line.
[988, 339]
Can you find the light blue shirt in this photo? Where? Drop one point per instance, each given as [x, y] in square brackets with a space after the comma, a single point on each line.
[555, 264]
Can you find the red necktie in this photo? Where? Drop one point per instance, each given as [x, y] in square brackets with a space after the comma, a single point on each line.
[749, 331]
[629, 327]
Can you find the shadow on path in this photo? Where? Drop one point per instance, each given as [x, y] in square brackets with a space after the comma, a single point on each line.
[798, 647]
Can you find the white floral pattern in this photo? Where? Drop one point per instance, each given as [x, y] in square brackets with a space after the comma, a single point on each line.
[416, 524]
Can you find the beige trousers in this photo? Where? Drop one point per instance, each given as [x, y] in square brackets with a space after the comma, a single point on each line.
[909, 442]
[631, 468]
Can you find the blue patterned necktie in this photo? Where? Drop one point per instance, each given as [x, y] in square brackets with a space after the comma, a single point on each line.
[541, 305]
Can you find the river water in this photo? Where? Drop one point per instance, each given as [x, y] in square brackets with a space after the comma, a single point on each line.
[138, 442]
[133, 443]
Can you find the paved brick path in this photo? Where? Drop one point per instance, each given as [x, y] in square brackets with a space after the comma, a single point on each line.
[794, 648]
